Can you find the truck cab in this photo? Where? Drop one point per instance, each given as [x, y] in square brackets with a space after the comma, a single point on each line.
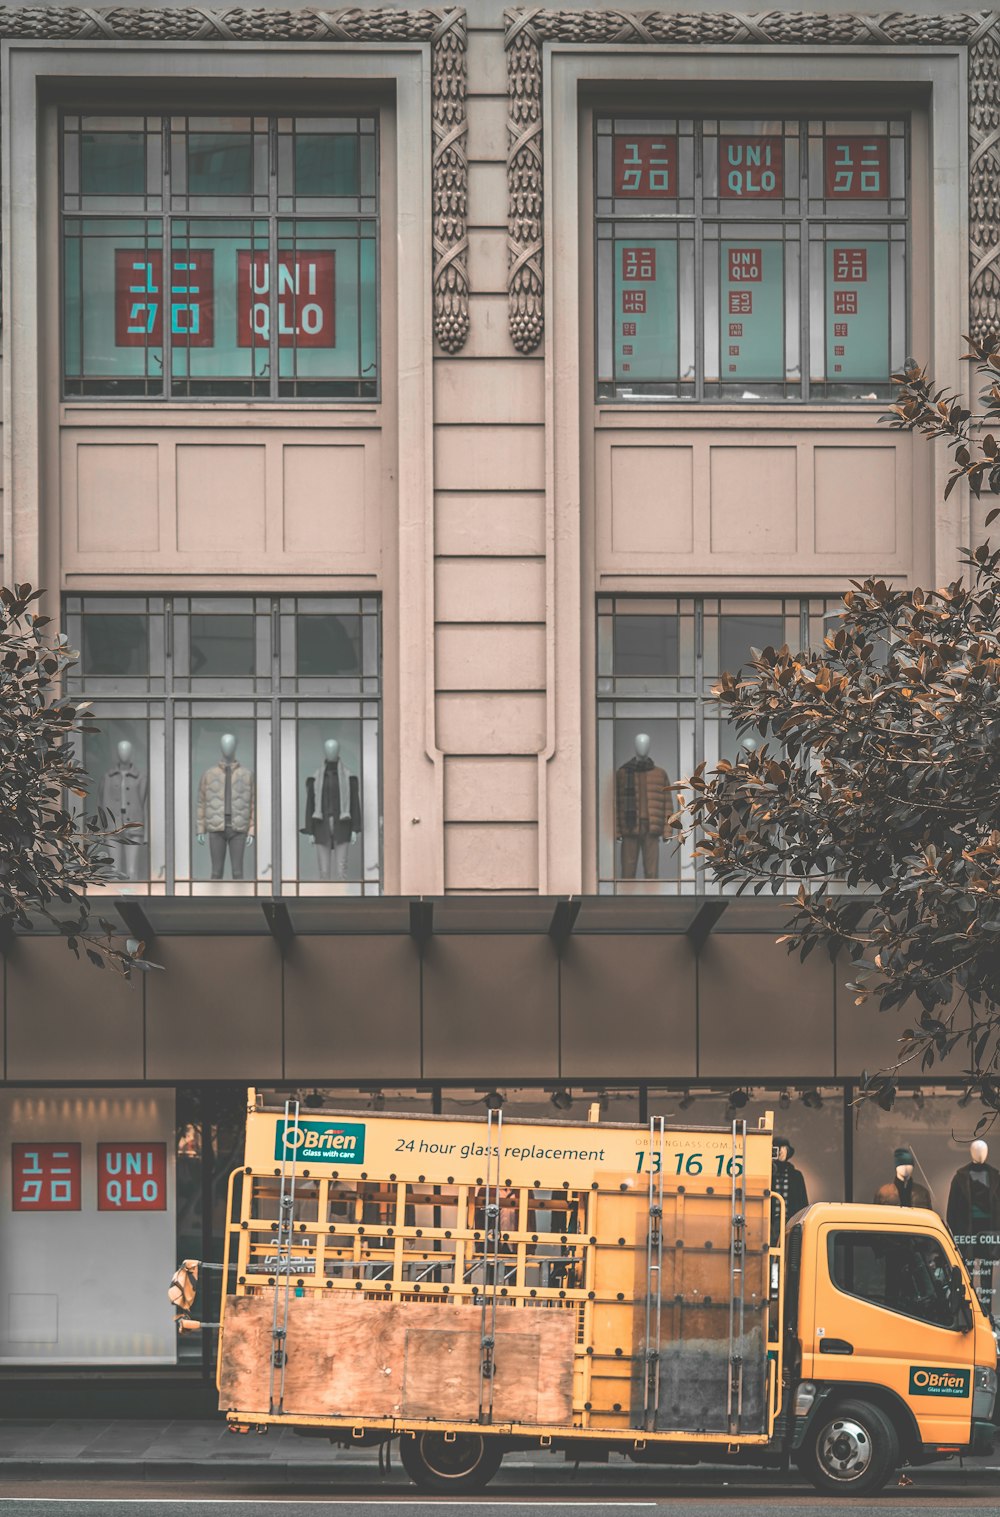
[891, 1355]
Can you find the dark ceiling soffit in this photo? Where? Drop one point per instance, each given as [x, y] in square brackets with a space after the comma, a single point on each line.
[279, 923]
[6, 937]
[563, 918]
[136, 920]
[705, 918]
[421, 921]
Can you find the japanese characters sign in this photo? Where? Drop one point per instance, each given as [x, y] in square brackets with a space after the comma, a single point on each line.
[751, 321]
[645, 167]
[856, 168]
[646, 339]
[45, 1176]
[305, 299]
[857, 311]
[131, 1177]
[140, 298]
[751, 168]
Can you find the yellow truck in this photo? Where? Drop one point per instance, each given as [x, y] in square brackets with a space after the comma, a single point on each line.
[472, 1286]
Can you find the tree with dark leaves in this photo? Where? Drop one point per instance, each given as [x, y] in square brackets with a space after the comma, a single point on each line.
[48, 855]
[876, 788]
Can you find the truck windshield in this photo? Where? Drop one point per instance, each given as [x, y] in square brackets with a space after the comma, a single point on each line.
[903, 1272]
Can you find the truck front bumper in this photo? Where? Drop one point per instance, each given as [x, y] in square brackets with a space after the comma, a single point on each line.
[984, 1437]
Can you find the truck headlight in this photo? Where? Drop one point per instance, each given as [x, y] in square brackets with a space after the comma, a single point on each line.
[984, 1394]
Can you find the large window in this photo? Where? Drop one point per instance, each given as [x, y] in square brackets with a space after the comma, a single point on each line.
[750, 259]
[220, 256]
[239, 735]
[657, 658]
[900, 1271]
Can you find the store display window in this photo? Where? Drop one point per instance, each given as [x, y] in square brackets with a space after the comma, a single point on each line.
[235, 740]
[217, 257]
[657, 658]
[750, 259]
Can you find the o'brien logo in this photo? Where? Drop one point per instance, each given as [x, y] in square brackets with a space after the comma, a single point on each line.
[321, 1142]
[925, 1381]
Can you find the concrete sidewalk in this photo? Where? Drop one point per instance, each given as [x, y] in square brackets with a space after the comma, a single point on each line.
[151, 1451]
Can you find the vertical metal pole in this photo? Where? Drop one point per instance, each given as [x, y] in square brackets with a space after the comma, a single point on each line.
[491, 1265]
[654, 1276]
[282, 1286]
[737, 1276]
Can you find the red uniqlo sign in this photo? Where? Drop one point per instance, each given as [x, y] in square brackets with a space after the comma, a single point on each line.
[850, 265]
[751, 168]
[305, 299]
[638, 263]
[139, 299]
[131, 1177]
[745, 265]
[45, 1176]
[645, 166]
[856, 168]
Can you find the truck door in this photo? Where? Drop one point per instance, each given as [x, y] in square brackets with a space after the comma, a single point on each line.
[885, 1315]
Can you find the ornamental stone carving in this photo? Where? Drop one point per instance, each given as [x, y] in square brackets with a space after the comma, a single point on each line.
[444, 30]
[527, 30]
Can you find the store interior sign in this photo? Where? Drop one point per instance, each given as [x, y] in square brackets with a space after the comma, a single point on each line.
[857, 310]
[139, 299]
[305, 299]
[45, 1176]
[646, 166]
[646, 336]
[856, 168]
[751, 168]
[751, 321]
[131, 1177]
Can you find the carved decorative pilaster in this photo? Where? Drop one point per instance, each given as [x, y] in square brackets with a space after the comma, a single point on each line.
[528, 30]
[445, 30]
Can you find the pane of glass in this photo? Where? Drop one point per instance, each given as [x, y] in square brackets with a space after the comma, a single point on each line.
[899, 1271]
[326, 164]
[647, 646]
[326, 308]
[646, 757]
[857, 311]
[738, 634]
[112, 163]
[752, 283]
[219, 307]
[114, 645]
[113, 306]
[327, 645]
[223, 800]
[645, 309]
[222, 646]
[219, 163]
[116, 758]
[330, 787]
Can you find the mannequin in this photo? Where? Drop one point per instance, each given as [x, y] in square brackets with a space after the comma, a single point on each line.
[225, 810]
[786, 1180]
[333, 812]
[123, 793]
[643, 807]
[974, 1217]
[903, 1190]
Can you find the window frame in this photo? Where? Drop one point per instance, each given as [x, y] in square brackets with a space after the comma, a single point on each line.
[283, 223]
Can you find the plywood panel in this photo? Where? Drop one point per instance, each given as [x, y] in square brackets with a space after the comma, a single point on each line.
[495, 723]
[855, 500]
[652, 499]
[117, 497]
[754, 500]
[485, 856]
[490, 590]
[490, 524]
[325, 497]
[221, 498]
[354, 1358]
[491, 790]
[485, 657]
[489, 458]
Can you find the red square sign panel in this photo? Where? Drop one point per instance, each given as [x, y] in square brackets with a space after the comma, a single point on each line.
[45, 1176]
[646, 167]
[131, 1177]
[856, 168]
[751, 168]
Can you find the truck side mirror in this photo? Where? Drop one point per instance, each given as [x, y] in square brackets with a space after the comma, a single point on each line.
[960, 1300]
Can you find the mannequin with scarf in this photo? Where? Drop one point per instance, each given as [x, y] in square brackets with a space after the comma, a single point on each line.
[643, 808]
[974, 1218]
[333, 812]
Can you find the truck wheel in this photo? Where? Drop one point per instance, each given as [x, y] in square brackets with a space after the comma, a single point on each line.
[852, 1451]
[466, 1462]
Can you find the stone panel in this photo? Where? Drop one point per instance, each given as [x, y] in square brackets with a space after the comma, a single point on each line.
[325, 497]
[213, 480]
[495, 723]
[485, 856]
[488, 524]
[490, 590]
[754, 500]
[489, 458]
[491, 789]
[484, 657]
[117, 497]
[855, 500]
[652, 499]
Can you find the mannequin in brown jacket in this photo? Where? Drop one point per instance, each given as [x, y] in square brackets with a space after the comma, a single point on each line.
[643, 807]
[904, 1190]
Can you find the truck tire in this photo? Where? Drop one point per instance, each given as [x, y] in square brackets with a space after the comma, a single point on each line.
[467, 1462]
[852, 1450]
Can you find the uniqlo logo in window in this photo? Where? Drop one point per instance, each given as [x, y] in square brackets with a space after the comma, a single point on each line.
[850, 265]
[845, 303]
[45, 1176]
[745, 265]
[305, 299]
[638, 263]
[740, 303]
[131, 1177]
[856, 168]
[139, 299]
[840, 329]
[629, 328]
[634, 302]
[645, 166]
[736, 329]
[734, 350]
